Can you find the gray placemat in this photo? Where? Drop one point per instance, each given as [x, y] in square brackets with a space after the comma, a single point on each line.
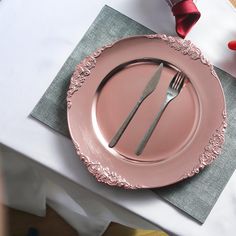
[195, 196]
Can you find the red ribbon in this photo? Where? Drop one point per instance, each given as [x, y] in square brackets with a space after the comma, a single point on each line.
[232, 45]
[186, 15]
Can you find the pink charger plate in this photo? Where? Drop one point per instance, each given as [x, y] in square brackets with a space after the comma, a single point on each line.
[189, 135]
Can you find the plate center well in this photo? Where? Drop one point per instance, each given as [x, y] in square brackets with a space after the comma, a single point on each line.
[117, 96]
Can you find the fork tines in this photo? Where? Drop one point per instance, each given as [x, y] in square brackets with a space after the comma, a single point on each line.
[177, 81]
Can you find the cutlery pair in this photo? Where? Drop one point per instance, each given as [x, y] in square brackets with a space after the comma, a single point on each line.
[150, 87]
[173, 91]
[174, 88]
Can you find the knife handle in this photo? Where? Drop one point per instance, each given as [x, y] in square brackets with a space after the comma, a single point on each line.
[121, 130]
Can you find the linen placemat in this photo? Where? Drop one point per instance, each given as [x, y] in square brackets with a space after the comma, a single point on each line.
[195, 196]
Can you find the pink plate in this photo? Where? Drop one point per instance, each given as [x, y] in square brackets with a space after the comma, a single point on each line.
[189, 135]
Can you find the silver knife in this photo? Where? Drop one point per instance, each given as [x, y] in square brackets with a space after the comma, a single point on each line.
[150, 87]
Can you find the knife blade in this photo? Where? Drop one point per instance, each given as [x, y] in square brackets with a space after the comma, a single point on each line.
[149, 88]
[152, 84]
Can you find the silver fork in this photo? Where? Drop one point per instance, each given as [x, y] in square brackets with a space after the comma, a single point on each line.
[173, 90]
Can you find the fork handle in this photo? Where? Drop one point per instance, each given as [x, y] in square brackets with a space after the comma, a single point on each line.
[148, 134]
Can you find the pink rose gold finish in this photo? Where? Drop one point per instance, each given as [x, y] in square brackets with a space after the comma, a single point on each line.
[189, 135]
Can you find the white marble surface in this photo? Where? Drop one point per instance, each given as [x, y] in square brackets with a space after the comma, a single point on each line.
[36, 37]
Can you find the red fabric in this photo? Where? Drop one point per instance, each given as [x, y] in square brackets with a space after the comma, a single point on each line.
[232, 45]
[186, 15]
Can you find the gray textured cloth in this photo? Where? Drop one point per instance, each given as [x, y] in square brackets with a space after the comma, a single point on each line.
[195, 196]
